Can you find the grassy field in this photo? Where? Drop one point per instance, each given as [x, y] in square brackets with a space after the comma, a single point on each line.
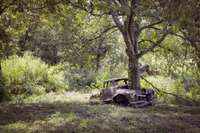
[72, 112]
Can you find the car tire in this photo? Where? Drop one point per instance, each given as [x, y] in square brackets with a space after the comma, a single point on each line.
[121, 100]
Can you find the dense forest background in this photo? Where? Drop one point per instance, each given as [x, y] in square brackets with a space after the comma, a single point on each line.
[56, 54]
[61, 45]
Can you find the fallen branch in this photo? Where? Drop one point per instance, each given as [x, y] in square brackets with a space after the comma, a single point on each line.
[168, 93]
[154, 87]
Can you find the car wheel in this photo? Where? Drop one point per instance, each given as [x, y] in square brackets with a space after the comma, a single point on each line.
[121, 100]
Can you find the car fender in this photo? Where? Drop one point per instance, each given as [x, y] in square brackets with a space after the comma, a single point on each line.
[123, 92]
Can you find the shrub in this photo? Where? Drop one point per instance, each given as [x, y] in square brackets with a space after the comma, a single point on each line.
[80, 79]
[30, 75]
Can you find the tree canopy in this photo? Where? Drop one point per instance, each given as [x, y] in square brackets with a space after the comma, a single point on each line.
[93, 40]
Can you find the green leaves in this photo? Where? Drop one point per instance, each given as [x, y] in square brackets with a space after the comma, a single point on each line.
[28, 74]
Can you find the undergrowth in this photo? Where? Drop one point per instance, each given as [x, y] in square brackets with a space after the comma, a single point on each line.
[27, 75]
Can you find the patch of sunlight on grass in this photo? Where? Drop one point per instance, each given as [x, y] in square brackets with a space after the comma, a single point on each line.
[64, 122]
[56, 119]
[60, 97]
[13, 127]
[70, 116]
[84, 124]
[52, 123]
[118, 113]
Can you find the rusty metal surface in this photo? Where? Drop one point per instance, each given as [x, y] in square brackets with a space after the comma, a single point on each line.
[121, 93]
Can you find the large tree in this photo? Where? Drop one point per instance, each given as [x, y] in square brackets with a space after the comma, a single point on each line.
[131, 18]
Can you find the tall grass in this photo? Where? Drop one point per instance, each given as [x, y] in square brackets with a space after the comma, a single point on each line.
[30, 75]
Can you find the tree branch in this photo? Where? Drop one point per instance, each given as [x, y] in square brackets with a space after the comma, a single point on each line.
[146, 40]
[154, 45]
[97, 37]
[90, 11]
[117, 21]
[105, 31]
[151, 26]
[102, 33]
[168, 49]
[178, 35]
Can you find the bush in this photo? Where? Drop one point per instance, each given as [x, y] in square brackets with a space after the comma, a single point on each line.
[30, 75]
[79, 79]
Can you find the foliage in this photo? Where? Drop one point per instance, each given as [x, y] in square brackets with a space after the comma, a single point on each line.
[79, 79]
[30, 75]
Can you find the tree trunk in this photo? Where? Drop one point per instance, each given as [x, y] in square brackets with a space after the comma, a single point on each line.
[133, 73]
[133, 66]
[129, 29]
[131, 40]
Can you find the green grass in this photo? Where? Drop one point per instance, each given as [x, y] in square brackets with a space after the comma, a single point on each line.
[72, 112]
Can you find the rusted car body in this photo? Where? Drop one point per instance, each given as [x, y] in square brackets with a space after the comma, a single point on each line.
[114, 92]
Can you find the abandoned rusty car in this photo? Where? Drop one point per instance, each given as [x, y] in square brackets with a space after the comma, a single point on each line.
[116, 91]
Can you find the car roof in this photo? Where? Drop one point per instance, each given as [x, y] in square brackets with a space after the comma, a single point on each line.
[116, 79]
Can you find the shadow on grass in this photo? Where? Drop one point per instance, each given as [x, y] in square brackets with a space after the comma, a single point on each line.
[38, 111]
[73, 117]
